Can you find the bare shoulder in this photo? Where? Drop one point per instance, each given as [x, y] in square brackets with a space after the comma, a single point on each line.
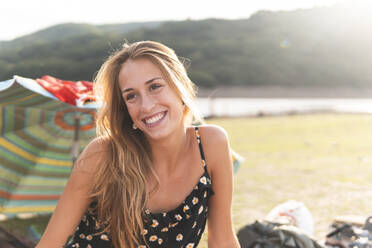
[216, 147]
[213, 135]
[92, 155]
[97, 145]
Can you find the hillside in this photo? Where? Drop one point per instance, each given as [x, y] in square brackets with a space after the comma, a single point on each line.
[71, 30]
[320, 47]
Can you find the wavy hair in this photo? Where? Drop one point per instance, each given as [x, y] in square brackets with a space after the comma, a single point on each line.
[120, 185]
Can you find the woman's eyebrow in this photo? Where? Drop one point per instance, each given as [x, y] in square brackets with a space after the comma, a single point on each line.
[147, 82]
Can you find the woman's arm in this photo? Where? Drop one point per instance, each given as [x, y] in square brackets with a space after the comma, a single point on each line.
[75, 198]
[217, 151]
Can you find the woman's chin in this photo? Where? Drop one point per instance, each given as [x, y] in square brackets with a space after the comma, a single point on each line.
[156, 132]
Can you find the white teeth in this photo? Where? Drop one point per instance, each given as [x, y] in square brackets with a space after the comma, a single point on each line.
[154, 118]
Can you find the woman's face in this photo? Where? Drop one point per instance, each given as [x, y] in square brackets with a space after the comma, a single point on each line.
[153, 105]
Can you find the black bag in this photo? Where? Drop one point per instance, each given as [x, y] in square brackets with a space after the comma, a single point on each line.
[271, 235]
[350, 236]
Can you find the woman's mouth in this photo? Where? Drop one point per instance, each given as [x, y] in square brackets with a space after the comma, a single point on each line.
[154, 119]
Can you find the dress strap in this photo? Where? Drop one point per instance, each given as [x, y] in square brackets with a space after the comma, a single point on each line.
[197, 133]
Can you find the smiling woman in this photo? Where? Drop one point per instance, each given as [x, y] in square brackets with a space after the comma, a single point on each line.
[144, 181]
[154, 107]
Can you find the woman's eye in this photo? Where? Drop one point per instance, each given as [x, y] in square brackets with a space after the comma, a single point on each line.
[130, 96]
[155, 86]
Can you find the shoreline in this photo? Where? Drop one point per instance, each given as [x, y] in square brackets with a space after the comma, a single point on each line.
[284, 92]
[234, 107]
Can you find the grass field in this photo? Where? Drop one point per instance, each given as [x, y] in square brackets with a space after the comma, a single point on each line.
[322, 160]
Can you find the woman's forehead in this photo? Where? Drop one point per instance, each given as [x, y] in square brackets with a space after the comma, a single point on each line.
[138, 72]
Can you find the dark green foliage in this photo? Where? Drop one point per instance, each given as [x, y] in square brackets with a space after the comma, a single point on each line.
[315, 47]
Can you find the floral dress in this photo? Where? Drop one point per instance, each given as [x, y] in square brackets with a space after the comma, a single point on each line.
[180, 227]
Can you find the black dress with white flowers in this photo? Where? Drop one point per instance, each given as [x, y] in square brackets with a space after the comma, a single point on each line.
[180, 227]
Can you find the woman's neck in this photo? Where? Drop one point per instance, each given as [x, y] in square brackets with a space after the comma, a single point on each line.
[168, 152]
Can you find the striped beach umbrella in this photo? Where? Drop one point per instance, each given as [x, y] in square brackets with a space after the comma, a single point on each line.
[40, 137]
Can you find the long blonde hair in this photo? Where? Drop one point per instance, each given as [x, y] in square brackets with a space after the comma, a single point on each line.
[120, 185]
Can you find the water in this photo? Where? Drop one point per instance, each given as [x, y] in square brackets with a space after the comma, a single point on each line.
[275, 106]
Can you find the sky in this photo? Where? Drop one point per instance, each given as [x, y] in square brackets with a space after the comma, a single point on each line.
[21, 17]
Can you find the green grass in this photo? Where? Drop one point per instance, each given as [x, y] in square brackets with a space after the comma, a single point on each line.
[323, 160]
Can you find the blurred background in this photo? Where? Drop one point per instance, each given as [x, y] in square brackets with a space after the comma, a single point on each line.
[290, 81]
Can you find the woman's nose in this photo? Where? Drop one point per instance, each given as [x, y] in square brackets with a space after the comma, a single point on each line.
[147, 103]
